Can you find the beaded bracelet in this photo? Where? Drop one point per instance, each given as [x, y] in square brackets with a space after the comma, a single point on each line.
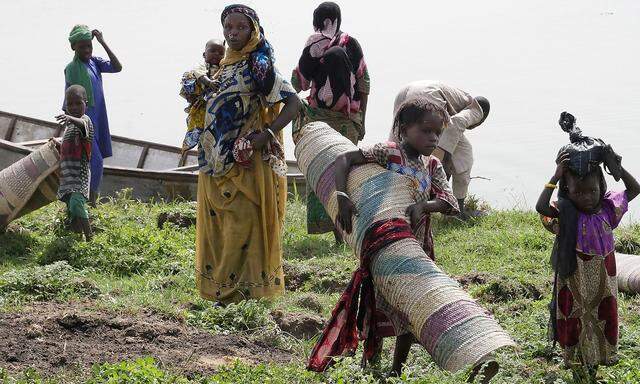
[343, 194]
[271, 133]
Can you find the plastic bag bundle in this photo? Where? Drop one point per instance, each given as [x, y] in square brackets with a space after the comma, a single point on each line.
[587, 153]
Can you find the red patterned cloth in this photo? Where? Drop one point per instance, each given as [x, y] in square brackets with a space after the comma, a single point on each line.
[354, 316]
[273, 153]
[429, 178]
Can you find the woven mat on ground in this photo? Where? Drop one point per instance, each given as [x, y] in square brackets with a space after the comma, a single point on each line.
[29, 183]
[452, 327]
[628, 268]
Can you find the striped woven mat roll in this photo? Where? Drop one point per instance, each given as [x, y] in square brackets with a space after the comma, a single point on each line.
[628, 268]
[453, 328]
[29, 183]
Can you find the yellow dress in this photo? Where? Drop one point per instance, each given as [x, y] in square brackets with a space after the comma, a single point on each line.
[241, 210]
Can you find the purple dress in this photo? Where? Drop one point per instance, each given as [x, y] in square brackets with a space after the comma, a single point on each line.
[101, 147]
[587, 305]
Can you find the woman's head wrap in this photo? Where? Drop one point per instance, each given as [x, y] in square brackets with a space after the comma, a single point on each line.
[256, 41]
[239, 8]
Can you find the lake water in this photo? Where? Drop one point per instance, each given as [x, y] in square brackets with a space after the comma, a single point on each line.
[532, 60]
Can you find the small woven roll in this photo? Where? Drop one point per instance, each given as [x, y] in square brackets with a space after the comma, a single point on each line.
[628, 268]
[29, 183]
[452, 327]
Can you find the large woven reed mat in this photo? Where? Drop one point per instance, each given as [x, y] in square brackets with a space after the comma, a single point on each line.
[452, 327]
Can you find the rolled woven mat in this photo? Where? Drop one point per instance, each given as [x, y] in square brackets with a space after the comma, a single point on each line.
[29, 183]
[453, 328]
[628, 268]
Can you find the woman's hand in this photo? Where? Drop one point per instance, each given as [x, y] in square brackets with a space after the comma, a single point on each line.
[346, 210]
[260, 140]
[415, 213]
[562, 165]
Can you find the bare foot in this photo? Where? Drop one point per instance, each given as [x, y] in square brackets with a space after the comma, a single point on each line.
[338, 237]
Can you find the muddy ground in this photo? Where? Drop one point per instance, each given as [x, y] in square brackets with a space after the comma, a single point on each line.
[55, 337]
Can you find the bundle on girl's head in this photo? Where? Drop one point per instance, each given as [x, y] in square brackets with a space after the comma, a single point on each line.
[587, 153]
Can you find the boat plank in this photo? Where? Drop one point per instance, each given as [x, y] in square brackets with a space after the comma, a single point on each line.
[183, 159]
[124, 155]
[143, 156]
[10, 129]
[5, 122]
[28, 130]
[158, 159]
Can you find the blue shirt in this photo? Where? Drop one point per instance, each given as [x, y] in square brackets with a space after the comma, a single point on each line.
[98, 112]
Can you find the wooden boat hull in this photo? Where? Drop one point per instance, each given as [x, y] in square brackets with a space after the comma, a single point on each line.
[150, 170]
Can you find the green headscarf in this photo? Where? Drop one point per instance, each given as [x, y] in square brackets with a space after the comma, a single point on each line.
[76, 72]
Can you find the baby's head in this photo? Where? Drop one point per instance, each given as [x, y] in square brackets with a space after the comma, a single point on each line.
[75, 100]
[586, 192]
[419, 123]
[80, 39]
[213, 52]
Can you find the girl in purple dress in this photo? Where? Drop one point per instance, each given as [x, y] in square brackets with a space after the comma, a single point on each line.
[86, 70]
[584, 312]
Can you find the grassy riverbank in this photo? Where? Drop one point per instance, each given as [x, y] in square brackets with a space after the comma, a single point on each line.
[130, 294]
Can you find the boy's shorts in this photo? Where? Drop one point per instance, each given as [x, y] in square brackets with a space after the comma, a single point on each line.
[76, 206]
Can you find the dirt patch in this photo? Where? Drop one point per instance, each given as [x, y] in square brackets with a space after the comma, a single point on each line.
[502, 290]
[473, 278]
[295, 276]
[300, 325]
[299, 277]
[310, 301]
[51, 337]
[176, 218]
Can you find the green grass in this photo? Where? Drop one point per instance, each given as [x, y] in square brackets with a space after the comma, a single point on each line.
[132, 266]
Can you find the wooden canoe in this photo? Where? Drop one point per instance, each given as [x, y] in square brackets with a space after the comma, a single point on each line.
[151, 170]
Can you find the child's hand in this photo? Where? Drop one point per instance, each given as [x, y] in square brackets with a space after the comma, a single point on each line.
[612, 163]
[346, 210]
[210, 84]
[415, 213]
[562, 165]
[63, 119]
[98, 35]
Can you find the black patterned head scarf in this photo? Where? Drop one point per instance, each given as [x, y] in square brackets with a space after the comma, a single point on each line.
[327, 19]
[257, 43]
[239, 8]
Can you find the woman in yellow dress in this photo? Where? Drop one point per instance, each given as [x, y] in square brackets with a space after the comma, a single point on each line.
[242, 179]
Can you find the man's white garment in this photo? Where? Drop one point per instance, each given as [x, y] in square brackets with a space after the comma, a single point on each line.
[464, 111]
